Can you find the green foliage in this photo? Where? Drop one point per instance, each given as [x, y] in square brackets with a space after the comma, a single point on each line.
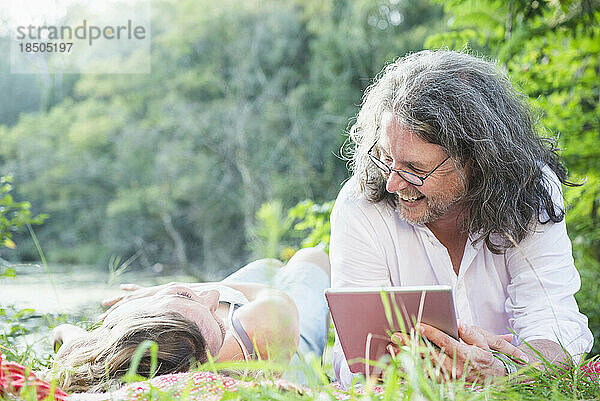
[246, 102]
[271, 227]
[15, 322]
[313, 222]
[552, 51]
[116, 267]
[13, 215]
[584, 226]
[142, 349]
[277, 233]
[409, 375]
[20, 339]
[28, 93]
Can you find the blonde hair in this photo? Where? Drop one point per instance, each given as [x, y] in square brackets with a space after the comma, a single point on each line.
[97, 360]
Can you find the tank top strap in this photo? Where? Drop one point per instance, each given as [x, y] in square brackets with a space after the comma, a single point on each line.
[240, 334]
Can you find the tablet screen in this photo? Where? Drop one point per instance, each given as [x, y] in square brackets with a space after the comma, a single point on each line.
[364, 317]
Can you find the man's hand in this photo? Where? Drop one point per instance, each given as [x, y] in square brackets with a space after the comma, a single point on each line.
[471, 358]
[491, 342]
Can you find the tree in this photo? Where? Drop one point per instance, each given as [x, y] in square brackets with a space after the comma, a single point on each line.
[552, 50]
[13, 216]
[246, 103]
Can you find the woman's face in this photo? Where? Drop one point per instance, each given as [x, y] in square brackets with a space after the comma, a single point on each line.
[199, 308]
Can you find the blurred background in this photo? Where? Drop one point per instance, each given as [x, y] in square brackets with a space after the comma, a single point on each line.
[229, 149]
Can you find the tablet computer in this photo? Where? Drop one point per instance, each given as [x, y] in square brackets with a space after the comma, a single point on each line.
[364, 321]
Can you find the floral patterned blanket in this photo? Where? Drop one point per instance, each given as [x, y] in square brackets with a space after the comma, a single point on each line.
[206, 386]
[16, 380]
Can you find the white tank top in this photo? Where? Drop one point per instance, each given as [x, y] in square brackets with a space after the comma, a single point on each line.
[235, 299]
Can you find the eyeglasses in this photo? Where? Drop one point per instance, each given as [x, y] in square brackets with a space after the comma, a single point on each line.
[407, 176]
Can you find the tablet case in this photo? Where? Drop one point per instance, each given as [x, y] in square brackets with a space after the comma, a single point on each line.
[360, 319]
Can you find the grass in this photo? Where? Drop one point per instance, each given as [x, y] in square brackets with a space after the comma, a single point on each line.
[406, 377]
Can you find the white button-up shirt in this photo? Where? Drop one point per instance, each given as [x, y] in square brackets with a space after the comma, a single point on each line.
[372, 246]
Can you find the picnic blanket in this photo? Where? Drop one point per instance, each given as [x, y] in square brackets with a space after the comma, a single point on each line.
[206, 386]
[15, 378]
[203, 385]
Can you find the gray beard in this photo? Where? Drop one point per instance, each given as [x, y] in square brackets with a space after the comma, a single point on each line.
[433, 212]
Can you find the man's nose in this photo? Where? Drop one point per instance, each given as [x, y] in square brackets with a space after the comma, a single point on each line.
[395, 183]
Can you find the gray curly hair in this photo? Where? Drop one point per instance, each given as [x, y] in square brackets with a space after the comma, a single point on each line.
[469, 107]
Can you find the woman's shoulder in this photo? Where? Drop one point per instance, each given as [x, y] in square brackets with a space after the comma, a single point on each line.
[271, 305]
[271, 322]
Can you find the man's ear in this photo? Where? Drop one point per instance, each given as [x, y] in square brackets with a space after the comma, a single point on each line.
[464, 170]
[470, 169]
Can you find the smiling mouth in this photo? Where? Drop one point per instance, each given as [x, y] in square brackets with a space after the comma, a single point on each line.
[411, 199]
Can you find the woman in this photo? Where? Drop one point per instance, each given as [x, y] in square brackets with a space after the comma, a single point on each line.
[263, 311]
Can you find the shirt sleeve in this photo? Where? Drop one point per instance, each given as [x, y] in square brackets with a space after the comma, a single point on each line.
[357, 259]
[541, 299]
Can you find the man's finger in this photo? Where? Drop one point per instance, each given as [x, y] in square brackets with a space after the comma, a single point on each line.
[450, 359]
[472, 336]
[502, 343]
[499, 344]
[507, 337]
[443, 363]
[439, 338]
[466, 363]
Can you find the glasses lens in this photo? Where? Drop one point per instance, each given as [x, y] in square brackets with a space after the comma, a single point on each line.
[381, 165]
[410, 178]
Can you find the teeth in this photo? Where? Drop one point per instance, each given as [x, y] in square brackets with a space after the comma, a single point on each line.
[410, 199]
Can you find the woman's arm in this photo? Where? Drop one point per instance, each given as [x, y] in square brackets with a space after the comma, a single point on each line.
[271, 322]
[250, 290]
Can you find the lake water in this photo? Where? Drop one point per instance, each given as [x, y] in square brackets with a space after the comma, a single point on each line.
[76, 291]
[70, 289]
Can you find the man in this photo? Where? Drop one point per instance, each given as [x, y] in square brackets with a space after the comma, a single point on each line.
[452, 185]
